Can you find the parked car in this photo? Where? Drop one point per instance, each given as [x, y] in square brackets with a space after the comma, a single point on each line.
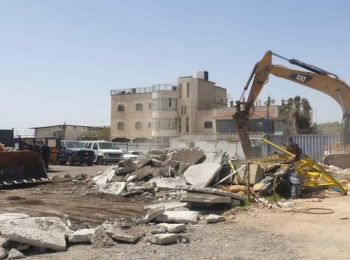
[133, 155]
[72, 152]
[105, 152]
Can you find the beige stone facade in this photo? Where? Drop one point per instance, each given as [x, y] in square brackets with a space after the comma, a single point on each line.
[168, 110]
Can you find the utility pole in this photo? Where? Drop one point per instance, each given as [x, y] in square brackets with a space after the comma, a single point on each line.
[268, 103]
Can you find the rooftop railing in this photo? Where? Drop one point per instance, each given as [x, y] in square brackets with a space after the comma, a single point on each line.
[153, 88]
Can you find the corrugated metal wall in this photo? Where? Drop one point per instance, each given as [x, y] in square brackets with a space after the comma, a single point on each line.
[313, 145]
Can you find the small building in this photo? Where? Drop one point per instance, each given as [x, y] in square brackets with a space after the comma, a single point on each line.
[65, 131]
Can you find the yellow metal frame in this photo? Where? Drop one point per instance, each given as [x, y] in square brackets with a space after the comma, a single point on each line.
[312, 174]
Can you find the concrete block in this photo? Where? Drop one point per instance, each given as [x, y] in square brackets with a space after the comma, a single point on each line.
[212, 218]
[201, 175]
[173, 228]
[130, 235]
[179, 217]
[163, 239]
[101, 239]
[153, 214]
[81, 236]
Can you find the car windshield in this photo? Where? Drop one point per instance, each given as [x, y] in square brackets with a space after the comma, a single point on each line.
[72, 144]
[108, 145]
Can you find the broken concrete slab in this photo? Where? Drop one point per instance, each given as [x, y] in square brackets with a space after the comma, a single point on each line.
[163, 239]
[201, 175]
[213, 191]
[11, 216]
[4, 242]
[153, 214]
[113, 188]
[202, 198]
[156, 163]
[179, 217]
[130, 235]
[188, 155]
[167, 205]
[15, 254]
[101, 239]
[81, 236]
[173, 228]
[127, 163]
[3, 253]
[144, 172]
[124, 170]
[45, 232]
[212, 218]
[143, 162]
[167, 183]
[106, 176]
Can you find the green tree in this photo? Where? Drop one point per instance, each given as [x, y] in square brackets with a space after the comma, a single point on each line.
[301, 111]
[103, 134]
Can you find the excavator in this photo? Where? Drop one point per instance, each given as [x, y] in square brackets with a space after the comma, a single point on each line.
[311, 77]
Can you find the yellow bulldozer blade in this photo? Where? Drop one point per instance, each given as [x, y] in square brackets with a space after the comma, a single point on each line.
[21, 167]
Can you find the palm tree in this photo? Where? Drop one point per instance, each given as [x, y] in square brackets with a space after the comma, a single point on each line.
[301, 112]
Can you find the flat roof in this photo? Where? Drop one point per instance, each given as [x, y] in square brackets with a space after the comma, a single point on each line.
[65, 125]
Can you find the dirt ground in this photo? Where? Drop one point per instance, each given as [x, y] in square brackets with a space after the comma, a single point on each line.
[250, 233]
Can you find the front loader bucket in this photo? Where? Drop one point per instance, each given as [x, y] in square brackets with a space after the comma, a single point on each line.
[19, 167]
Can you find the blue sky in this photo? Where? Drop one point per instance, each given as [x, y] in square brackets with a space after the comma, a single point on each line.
[59, 59]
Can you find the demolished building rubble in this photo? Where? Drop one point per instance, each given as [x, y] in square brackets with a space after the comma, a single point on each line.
[184, 189]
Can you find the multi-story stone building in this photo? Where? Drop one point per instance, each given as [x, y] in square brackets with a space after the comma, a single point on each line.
[163, 111]
[195, 106]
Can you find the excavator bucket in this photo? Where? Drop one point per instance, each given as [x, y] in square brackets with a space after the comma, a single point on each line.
[21, 167]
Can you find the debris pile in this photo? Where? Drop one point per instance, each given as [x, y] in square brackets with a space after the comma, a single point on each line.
[179, 183]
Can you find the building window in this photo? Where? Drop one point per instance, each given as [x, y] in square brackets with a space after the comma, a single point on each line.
[180, 124]
[180, 90]
[188, 89]
[185, 110]
[149, 124]
[208, 124]
[139, 107]
[120, 126]
[182, 110]
[120, 108]
[187, 125]
[138, 125]
[149, 105]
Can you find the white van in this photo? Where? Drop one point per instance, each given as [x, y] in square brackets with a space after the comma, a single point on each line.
[105, 152]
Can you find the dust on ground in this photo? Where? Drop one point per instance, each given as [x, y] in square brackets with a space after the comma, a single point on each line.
[65, 197]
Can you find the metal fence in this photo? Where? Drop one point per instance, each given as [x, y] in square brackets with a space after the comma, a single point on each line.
[141, 147]
[313, 145]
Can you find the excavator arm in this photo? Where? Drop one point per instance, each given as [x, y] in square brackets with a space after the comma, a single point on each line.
[314, 78]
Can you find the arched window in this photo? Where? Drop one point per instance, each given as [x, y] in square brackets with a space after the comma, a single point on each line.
[138, 125]
[120, 126]
[139, 107]
[120, 108]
